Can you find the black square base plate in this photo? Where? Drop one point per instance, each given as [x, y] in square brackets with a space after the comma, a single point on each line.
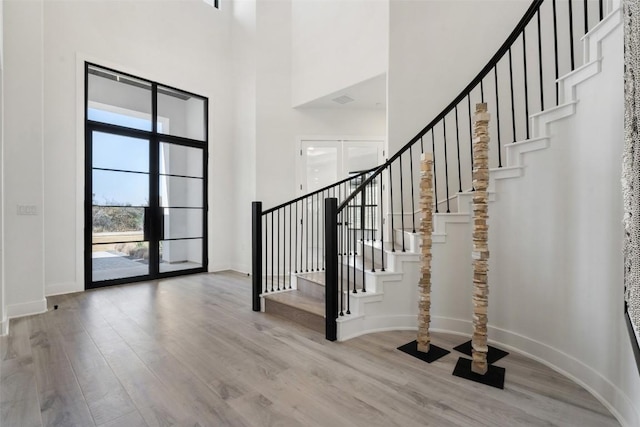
[432, 355]
[493, 355]
[494, 376]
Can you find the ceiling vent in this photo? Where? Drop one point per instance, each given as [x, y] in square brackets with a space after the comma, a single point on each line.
[344, 99]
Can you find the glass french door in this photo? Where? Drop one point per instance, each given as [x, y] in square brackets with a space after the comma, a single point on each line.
[325, 162]
[145, 180]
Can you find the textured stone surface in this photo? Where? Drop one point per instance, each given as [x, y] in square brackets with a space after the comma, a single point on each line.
[480, 254]
[426, 228]
[631, 161]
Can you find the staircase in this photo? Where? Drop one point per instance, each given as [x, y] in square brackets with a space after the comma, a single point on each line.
[377, 277]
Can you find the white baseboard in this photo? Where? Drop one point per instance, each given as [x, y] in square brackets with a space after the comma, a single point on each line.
[62, 288]
[352, 327]
[214, 268]
[4, 327]
[599, 386]
[241, 268]
[26, 308]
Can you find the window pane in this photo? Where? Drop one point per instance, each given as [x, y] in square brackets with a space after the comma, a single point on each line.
[321, 167]
[120, 152]
[120, 188]
[360, 159]
[180, 114]
[117, 224]
[118, 99]
[120, 260]
[182, 223]
[180, 192]
[180, 160]
[180, 254]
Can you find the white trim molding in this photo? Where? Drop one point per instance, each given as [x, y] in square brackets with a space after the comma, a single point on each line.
[26, 308]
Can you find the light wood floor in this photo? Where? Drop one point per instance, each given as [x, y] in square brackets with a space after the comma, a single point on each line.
[189, 352]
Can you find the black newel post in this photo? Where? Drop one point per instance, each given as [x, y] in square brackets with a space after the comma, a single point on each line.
[331, 272]
[256, 253]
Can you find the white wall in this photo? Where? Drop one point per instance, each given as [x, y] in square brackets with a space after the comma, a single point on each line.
[271, 146]
[4, 324]
[23, 157]
[564, 288]
[336, 44]
[243, 54]
[182, 44]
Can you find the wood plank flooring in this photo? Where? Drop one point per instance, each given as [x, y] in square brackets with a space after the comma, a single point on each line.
[190, 352]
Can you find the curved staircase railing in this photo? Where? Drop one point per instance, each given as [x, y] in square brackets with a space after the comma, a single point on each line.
[520, 80]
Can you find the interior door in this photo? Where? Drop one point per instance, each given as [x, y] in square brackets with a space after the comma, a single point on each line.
[324, 161]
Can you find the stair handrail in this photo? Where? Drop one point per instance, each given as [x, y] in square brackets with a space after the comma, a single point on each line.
[515, 34]
[323, 189]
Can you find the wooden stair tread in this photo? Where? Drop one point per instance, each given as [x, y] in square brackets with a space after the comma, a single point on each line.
[298, 300]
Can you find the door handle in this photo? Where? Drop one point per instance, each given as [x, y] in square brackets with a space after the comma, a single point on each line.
[146, 224]
[160, 223]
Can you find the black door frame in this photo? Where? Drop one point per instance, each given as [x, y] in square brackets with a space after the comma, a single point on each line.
[154, 231]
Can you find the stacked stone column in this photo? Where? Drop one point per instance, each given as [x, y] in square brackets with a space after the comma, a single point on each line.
[480, 253]
[426, 228]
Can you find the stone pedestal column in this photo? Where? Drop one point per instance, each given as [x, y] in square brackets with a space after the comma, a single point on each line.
[480, 233]
[426, 228]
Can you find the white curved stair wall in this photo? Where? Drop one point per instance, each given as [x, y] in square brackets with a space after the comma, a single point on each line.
[555, 239]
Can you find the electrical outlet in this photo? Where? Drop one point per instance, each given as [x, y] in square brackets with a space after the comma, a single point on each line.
[27, 210]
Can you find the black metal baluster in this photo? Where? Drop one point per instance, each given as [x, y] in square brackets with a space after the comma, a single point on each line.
[348, 255]
[458, 151]
[340, 258]
[401, 204]
[266, 254]
[513, 104]
[470, 146]
[495, 75]
[573, 62]
[421, 146]
[540, 62]
[322, 226]
[355, 248]
[446, 163]
[481, 90]
[278, 256]
[393, 229]
[298, 227]
[372, 212]
[290, 243]
[555, 49]
[381, 220]
[362, 208]
[413, 202]
[319, 209]
[601, 9]
[526, 87]
[435, 175]
[586, 17]
[272, 252]
[311, 220]
[305, 225]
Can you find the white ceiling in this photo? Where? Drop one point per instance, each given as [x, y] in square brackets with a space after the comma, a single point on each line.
[370, 93]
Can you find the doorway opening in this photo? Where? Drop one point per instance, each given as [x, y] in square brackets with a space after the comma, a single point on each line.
[145, 179]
